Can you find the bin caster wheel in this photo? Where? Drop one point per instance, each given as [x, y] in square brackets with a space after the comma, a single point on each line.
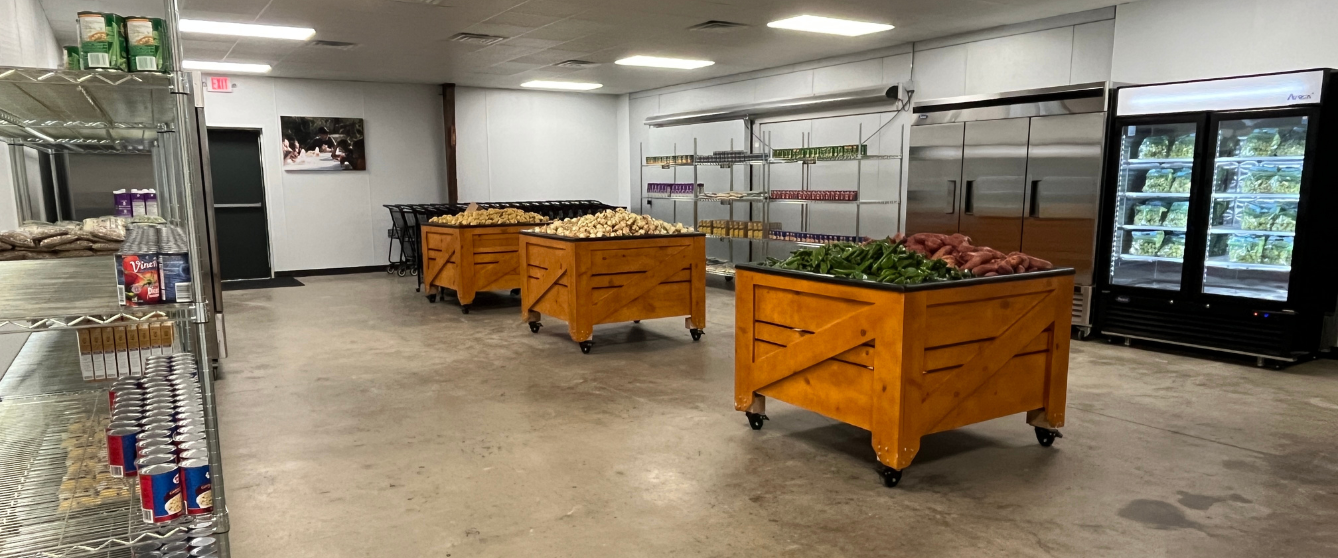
[586, 346]
[464, 308]
[1046, 436]
[390, 269]
[401, 272]
[697, 334]
[515, 292]
[891, 477]
[534, 327]
[432, 298]
[755, 419]
[636, 321]
[413, 271]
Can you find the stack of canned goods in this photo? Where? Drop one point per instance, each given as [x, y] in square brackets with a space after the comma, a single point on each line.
[190, 537]
[157, 434]
[153, 266]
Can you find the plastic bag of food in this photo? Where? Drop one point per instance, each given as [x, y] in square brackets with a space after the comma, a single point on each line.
[4, 246]
[1183, 148]
[1257, 180]
[106, 246]
[1146, 243]
[13, 256]
[148, 220]
[1158, 181]
[1174, 247]
[1256, 216]
[1245, 248]
[76, 245]
[41, 255]
[1287, 181]
[1182, 181]
[1284, 218]
[74, 254]
[1278, 251]
[1154, 147]
[18, 239]
[1262, 142]
[1149, 214]
[51, 243]
[1293, 142]
[1227, 145]
[1178, 216]
[69, 225]
[42, 232]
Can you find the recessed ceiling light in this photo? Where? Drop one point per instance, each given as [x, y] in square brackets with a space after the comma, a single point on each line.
[829, 25]
[225, 67]
[657, 62]
[246, 29]
[566, 85]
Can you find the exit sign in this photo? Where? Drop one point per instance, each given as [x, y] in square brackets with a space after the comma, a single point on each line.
[219, 84]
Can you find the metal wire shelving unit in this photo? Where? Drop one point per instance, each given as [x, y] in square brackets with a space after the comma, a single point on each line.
[56, 500]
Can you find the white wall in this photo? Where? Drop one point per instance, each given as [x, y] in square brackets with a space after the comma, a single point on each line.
[537, 145]
[1176, 40]
[25, 40]
[335, 219]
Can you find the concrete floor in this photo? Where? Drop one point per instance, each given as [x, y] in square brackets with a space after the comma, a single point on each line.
[360, 421]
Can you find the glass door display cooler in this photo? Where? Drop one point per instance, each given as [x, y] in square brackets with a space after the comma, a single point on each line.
[1217, 222]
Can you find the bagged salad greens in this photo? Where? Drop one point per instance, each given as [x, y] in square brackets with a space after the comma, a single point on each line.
[1182, 181]
[1293, 142]
[1149, 214]
[1146, 243]
[1178, 216]
[1287, 181]
[1245, 248]
[1257, 180]
[1256, 216]
[1174, 247]
[1284, 218]
[1262, 142]
[1154, 147]
[1183, 148]
[1159, 181]
[1277, 251]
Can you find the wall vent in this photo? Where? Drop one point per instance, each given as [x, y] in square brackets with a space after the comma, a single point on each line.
[717, 26]
[575, 64]
[476, 39]
[340, 45]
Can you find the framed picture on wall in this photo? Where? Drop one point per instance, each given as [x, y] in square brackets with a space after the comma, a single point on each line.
[313, 143]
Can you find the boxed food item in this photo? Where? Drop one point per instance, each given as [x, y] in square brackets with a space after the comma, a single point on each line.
[1146, 243]
[1245, 248]
[1278, 250]
[1158, 181]
[1183, 148]
[1154, 147]
[1174, 247]
[1182, 181]
[1262, 142]
[1149, 214]
[1178, 216]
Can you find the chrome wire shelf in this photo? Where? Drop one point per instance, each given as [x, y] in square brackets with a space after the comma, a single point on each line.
[80, 110]
[40, 295]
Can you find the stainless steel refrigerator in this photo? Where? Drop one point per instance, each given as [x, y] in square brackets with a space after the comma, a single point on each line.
[1014, 171]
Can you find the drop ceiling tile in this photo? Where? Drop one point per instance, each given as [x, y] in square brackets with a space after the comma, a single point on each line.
[569, 29]
[549, 8]
[551, 56]
[525, 41]
[499, 53]
[592, 43]
[264, 50]
[498, 29]
[522, 20]
[507, 68]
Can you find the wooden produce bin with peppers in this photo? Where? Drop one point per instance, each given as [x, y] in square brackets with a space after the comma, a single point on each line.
[591, 281]
[471, 258]
[904, 361]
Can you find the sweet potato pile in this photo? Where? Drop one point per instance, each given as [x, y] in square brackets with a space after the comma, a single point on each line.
[982, 261]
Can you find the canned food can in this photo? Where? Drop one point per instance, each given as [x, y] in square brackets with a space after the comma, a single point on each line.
[193, 445]
[72, 58]
[190, 429]
[203, 546]
[165, 427]
[151, 460]
[158, 449]
[187, 437]
[178, 554]
[168, 406]
[190, 423]
[160, 493]
[138, 282]
[117, 393]
[180, 546]
[115, 424]
[146, 44]
[169, 413]
[193, 454]
[198, 488]
[121, 451]
[176, 274]
[101, 41]
[172, 537]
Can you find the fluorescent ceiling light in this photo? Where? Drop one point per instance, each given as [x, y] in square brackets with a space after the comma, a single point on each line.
[833, 26]
[657, 62]
[225, 67]
[567, 85]
[246, 30]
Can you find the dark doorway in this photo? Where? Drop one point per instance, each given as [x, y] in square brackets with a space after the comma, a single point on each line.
[239, 204]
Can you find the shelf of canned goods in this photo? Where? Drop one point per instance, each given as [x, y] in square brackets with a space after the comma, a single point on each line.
[108, 425]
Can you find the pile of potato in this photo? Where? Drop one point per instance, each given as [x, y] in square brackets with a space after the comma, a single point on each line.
[982, 261]
[611, 223]
[508, 216]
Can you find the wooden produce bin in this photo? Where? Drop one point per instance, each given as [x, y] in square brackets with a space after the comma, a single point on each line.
[471, 258]
[904, 361]
[591, 281]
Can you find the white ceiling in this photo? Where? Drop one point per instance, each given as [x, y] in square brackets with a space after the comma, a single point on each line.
[406, 40]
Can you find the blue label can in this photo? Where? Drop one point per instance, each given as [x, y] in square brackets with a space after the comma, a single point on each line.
[176, 276]
[199, 489]
[121, 450]
[160, 493]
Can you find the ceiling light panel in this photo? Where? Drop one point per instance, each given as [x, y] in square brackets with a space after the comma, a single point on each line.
[225, 67]
[829, 25]
[658, 62]
[563, 85]
[246, 30]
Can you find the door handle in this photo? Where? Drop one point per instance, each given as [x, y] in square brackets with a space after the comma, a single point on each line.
[952, 198]
[1034, 203]
[968, 203]
[236, 205]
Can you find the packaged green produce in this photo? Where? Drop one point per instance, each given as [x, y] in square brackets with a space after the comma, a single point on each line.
[1293, 142]
[1158, 181]
[1256, 216]
[1149, 214]
[1178, 215]
[1262, 142]
[1258, 179]
[1183, 148]
[1245, 248]
[1278, 251]
[1287, 181]
[1182, 181]
[1227, 145]
[1146, 243]
[1154, 147]
[1174, 247]
[1284, 218]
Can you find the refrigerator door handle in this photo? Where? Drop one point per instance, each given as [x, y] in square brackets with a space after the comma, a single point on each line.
[952, 198]
[1034, 204]
[968, 204]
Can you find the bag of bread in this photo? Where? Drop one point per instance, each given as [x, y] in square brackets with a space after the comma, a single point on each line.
[76, 245]
[42, 232]
[53, 242]
[40, 255]
[17, 239]
[13, 256]
[4, 247]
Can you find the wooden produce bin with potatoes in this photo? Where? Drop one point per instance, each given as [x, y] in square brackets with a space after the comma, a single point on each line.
[471, 258]
[591, 281]
[907, 360]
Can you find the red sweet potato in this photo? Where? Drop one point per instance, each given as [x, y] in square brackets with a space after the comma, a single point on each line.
[957, 240]
[976, 260]
[985, 269]
[942, 253]
[991, 274]
[1004, 269]
[1037, 264]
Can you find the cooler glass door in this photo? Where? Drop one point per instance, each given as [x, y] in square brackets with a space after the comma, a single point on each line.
[1154, 179]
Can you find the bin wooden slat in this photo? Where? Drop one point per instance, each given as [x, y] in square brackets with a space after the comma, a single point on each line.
[472, 258]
